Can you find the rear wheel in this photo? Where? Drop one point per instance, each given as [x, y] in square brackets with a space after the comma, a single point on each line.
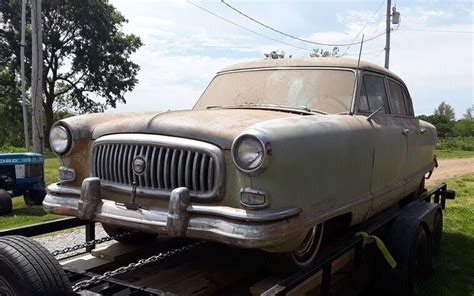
[418, 262]
[6, 207]
[436, 239]
[27, 268]
[132, 238]
[34, 197]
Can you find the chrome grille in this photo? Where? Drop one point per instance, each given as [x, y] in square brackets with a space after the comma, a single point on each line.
[186, 163]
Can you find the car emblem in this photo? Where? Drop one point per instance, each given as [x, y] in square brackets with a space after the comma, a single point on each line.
[139, 165]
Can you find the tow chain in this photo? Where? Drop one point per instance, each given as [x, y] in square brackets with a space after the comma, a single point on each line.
[91, 243]
[132, 266]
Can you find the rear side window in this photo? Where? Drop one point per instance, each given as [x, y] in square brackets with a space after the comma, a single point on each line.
[397, 99]
[408, 103]
[373, 94]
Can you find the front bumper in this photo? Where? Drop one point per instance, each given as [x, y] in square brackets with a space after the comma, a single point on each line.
[272, 230]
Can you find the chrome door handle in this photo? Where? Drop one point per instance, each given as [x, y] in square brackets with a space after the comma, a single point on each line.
[423, 130]
[406, 131]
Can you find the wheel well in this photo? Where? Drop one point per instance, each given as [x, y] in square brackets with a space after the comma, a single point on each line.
[337, 224]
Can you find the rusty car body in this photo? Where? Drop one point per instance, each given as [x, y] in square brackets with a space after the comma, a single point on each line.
[271, 152]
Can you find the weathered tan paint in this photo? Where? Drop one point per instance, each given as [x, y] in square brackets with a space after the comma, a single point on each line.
[326, 165]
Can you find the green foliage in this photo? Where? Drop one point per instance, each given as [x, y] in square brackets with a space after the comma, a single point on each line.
[464, 128]
[86, 55]
[455, 275]
[446, 110]
[11, 149]
[457, 143]
[442, 123]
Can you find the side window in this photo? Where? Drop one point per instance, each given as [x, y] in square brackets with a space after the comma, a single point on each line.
[397, 98]
[408, 103]
[363, 103]
[376, 93]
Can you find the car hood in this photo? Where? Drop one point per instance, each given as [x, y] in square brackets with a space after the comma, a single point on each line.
[217, 126]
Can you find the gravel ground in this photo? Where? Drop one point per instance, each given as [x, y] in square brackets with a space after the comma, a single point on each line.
[69, 238]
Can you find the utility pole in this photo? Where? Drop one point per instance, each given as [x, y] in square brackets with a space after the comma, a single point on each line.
[387, 34]
[37, 77]
[23, 84]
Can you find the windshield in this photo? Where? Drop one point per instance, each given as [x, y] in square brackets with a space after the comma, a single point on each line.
[328, 91]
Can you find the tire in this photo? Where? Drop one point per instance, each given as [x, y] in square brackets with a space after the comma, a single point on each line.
[436, 239]
[419, 260]
[27, 268]
[304, 255]
[34, 197]
[6, 207]
[134, 238]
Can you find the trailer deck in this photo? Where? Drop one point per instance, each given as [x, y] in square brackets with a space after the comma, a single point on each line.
[182, 267]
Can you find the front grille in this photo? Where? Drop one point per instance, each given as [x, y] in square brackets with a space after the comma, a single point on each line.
[167, 166]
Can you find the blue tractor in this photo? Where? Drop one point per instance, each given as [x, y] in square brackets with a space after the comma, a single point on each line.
[21, 174]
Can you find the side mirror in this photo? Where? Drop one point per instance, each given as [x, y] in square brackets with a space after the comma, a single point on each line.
[373, 114]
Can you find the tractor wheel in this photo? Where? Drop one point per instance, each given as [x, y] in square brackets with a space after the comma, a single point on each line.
[34, 197]
[133, 238]
[6, 207]
[27, 268]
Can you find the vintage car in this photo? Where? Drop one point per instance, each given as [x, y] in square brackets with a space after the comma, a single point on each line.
[275, 155]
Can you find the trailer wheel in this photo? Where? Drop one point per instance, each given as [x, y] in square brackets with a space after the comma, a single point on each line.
[436, 239]
[6, 207]
[27, 268]
[418, 262]
[34, 197]
[134, 238]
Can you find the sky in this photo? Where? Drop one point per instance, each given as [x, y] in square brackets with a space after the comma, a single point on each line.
[184, 46]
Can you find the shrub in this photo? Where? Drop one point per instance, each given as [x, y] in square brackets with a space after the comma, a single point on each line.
[457, 143]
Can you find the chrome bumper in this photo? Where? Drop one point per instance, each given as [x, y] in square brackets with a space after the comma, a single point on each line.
[272, 230]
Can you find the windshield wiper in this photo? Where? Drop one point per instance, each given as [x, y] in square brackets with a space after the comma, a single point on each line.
[275, 106]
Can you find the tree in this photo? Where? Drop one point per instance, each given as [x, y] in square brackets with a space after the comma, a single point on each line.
[442, 123]
[469, 114]
[446, 110]
[86, 55]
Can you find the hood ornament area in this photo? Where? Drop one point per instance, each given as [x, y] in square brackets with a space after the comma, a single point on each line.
[139, 165]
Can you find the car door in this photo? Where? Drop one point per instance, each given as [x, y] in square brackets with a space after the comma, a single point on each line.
[389, 152]
[402, 112]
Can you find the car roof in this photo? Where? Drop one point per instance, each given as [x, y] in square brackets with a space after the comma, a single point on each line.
[309, 62]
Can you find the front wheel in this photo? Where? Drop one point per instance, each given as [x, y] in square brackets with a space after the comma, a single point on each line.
[6, 207]
[34, 197]
[304, 255]
[132, 238]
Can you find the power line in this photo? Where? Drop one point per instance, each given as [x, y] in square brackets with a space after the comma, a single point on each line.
[245, 28]
[295, 37]
[363, 28]
[436, 31]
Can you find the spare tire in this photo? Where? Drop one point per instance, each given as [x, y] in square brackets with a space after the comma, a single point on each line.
[6, 207]
[27, 268]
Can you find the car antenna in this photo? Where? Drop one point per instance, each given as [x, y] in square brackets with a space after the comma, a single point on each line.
[360, 51]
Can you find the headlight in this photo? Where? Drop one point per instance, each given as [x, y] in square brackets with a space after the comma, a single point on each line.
[251, 152]
[59, 139]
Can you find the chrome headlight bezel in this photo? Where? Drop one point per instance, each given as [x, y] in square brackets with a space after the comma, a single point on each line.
[66, 146]
[266, 149]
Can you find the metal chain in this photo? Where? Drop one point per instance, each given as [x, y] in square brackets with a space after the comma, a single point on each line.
[132, 266]
[91, 243]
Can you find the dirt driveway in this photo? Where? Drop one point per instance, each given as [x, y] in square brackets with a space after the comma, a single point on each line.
[451, 168]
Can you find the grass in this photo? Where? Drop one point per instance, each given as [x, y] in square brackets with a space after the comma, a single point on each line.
[23, 215]
[443, 154]
[455, 275]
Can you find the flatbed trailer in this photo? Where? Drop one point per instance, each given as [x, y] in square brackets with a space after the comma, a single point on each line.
[411, 234]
